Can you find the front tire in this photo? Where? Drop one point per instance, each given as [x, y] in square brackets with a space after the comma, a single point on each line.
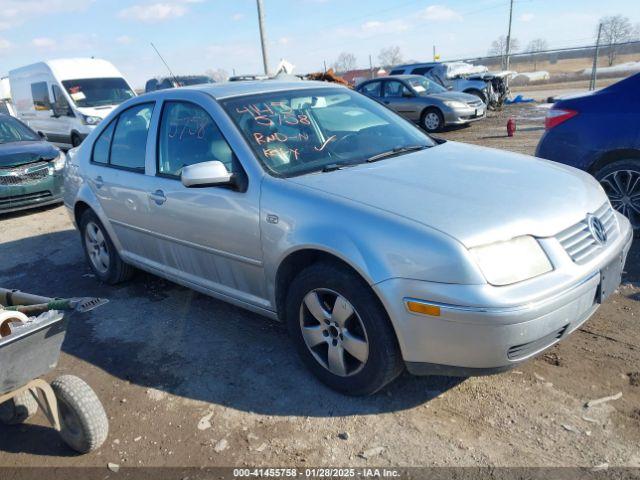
[100, 252]
[83, 422]
[341, 331]
[621, 182]
[432, 120]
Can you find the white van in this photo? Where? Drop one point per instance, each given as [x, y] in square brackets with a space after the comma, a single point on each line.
[6, 106]
[65, 99]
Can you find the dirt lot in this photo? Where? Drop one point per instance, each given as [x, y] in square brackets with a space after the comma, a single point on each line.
[164, 359]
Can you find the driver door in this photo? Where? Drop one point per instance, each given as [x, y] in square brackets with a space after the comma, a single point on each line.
[398, 97]
[207, 237]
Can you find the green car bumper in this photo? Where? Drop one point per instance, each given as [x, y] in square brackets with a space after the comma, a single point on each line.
[31, 192]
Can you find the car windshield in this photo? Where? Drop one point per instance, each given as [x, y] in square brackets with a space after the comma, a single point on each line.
[303, 131]
[11, 130]
[425, 87]
[98, 92]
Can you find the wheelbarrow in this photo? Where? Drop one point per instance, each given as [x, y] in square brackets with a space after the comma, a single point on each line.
[30, 350]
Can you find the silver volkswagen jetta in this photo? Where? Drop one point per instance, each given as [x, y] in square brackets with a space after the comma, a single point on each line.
[378, 246]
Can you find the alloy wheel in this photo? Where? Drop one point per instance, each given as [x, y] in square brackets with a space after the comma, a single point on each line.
[97, 248]
[623, 189]
[333, 332]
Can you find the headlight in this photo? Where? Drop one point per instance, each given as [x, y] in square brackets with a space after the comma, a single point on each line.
[455, 104]
[59, 161]
[91, 120]
[515, 260]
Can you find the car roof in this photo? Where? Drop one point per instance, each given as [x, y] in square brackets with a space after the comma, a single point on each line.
[237, 89]
[424, 64]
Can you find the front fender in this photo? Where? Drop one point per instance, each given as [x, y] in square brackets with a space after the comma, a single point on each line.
[379, 246]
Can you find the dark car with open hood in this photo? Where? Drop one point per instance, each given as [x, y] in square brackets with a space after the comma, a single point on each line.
[30, 168]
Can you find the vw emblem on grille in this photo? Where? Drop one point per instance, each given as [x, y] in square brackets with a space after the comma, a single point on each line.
[597, 229]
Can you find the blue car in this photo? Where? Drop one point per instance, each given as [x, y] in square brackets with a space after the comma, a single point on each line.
[599, 132]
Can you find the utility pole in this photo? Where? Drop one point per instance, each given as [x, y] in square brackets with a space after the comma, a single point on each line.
[263, 38]
[509, 36]
[434, 53]
[594, 69]
[370, 67]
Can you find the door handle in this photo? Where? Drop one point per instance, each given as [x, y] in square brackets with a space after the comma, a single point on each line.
[98, 181]
[158, 197]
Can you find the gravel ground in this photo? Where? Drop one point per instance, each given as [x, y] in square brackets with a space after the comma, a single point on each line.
[190, 381]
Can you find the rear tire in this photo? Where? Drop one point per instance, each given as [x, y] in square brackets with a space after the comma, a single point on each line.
[432, 120]
[101, 254]
[83, 422]
[19, 409]
[366, 331]
[621, 182]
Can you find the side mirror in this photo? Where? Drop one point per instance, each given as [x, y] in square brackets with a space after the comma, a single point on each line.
[449, 87]
[43, 135]
[206, 174]
[406, 94]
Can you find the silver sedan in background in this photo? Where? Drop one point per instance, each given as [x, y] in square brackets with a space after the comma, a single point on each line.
[424, 102]
[379, 247]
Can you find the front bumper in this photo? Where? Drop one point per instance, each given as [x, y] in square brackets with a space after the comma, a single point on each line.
[484, 329]
[464, 115]
[48, 191]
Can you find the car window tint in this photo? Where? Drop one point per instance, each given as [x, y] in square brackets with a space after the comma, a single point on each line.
[102, 144]
[395, 89]
[40, 95]
[421, 70]
[130, 137]
[372, 89]
[188, 135]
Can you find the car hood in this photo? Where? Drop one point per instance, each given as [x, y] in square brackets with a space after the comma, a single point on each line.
[453, 96]
[20, 153]
[101, 112]
[474, 194]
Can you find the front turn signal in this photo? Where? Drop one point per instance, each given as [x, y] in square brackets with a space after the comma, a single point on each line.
[423, 308]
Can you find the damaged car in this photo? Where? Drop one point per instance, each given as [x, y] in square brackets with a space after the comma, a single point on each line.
[30, 168]
[491, 87]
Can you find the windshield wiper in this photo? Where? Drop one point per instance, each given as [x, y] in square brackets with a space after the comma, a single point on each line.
[336, 166]
[396, 151]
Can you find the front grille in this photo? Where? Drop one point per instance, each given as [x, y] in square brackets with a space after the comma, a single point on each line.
[578, 241]
[521, 351]
[24, 175]
[27, 197]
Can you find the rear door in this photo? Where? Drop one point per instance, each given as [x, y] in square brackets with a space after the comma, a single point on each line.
[401, 99]
[118, 177]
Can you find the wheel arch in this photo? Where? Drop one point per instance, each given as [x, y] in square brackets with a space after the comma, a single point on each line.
[296, 261]
[613, 156]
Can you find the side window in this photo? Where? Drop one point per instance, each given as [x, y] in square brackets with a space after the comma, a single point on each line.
[395, 89]
[421, 70]
[129, 145]
[40, 95]
[102, 145]
[372, 89]
[398, 71]
[188, 135]
[60, 102]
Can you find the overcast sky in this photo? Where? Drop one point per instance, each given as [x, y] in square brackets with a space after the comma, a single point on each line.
[197, 35]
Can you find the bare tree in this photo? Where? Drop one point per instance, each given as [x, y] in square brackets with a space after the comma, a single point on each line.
[390, 56]
[499, 47]
[219, 75]
[346, 61]
[615, 29]
[534, 48]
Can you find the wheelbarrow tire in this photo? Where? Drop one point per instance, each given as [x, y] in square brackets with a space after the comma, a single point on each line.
[83, 422]
[19, 409]
[117, 270]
